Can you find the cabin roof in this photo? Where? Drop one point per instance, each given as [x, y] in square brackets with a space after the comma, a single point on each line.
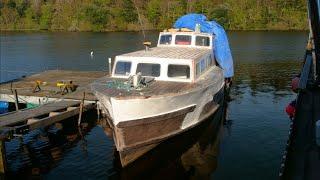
[171, 53]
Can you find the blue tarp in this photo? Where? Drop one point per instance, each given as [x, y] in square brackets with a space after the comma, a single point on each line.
[221, 47]
[4, 107]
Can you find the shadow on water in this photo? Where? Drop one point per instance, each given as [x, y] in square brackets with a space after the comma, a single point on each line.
[190, 155]
[36, 153]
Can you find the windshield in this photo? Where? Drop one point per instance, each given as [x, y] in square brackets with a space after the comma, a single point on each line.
[165, 39]
[202, 41]
[148, 69]
[183, 40]
[123, 68]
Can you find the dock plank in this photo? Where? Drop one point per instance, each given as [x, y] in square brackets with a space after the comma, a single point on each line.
[49, 89]
[20, 116]
[51, 119]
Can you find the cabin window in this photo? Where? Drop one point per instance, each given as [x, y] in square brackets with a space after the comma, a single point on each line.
[202, 41]
[203, 65]
[183, 40]
[179, 71]
[165, 39]
[198, 69]
[123, 68]
[209, 61]
[148, 69]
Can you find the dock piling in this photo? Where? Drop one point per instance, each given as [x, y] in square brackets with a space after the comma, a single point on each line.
[81, 108]
[11, 87]
[98, 110]
[3, 163]
[109, 64]
[16, 100]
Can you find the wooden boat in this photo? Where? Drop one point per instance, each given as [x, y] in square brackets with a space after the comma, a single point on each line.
[156, 93]
[195, 150]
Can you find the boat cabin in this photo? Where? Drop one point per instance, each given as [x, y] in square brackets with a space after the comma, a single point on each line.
[179, 56]
[174, 38]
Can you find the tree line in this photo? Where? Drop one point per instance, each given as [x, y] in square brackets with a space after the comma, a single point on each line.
[128, 15]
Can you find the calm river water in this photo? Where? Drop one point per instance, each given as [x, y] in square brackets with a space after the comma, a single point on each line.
[250, 146]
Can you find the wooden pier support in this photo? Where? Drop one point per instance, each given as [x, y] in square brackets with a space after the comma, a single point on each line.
[109, 66]
[81, 109]
[16, 102]
[3, 162]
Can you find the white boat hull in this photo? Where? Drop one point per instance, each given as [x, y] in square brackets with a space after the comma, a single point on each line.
[142, 123]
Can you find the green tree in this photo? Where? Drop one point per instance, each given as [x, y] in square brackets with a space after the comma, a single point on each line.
[220, 15]
[153, 12]
[31, 20]
[97, 16]
[129, 12]
[21, 6]
[46, 16]
[101, 15]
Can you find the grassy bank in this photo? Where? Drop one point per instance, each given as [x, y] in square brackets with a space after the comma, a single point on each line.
[123, 15]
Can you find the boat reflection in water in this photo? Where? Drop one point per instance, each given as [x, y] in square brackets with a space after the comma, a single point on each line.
[190, 155]
[43, 153]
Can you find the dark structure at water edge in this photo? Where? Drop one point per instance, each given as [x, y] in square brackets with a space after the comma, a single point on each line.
[302, 156]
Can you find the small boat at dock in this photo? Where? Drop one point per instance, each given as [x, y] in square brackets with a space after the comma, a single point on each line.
[157, 93]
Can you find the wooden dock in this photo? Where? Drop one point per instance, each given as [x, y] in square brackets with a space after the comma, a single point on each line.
[23, 121]
[42, 116]
[49, 89]
[56, 102]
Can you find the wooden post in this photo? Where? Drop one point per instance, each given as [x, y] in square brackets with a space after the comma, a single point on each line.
[81, 108]
[110, 66]
[98, 110]
[11, 85]
[3, 162]
[16, 100]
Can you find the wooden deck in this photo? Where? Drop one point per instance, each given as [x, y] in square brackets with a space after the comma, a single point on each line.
[153, 89]
[118, 89]
[49, 87]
